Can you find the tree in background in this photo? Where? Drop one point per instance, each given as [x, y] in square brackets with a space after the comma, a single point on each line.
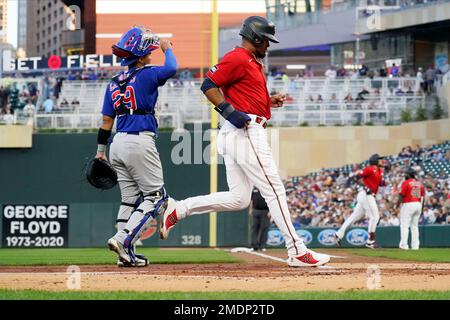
[421, 114]
[437, 110]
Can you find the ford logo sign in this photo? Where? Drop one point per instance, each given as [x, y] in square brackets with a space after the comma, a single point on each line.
[357, 237]
[275, 238]
[326, 237]
[305, 235]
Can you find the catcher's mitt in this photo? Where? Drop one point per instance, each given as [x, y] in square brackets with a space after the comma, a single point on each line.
[101, 174]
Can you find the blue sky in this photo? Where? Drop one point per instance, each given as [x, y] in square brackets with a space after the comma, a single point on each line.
[12, 22]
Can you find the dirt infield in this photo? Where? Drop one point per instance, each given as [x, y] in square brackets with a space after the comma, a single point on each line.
[348, 272]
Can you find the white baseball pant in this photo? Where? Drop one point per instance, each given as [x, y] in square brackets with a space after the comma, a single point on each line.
[365, 206]
[409, 218]
[249, 162]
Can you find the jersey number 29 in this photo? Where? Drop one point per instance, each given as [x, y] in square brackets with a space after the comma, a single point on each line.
[129, 99]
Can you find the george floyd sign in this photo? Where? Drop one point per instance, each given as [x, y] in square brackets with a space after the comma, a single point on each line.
[56, 62]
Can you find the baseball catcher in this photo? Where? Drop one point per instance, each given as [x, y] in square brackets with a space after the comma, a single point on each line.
[131, 98]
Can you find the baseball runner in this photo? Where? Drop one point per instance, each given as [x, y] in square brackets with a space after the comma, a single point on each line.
[237, 87]
[366, 206]
[411, 196]
[131, 98]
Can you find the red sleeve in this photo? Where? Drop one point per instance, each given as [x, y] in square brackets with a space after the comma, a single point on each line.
[422, 191]
[365, 172]
[227, 71]
[404, 188]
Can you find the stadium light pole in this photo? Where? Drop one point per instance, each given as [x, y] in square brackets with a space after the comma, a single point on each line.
[214, 59]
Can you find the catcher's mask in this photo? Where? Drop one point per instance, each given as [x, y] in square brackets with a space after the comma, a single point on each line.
[100, 174]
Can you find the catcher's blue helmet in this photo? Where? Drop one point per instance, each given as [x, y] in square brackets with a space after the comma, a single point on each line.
[135, 43]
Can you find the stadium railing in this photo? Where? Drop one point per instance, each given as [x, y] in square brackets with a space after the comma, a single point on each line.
[181, 103]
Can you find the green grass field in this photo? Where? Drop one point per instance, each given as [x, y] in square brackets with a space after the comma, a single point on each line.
[92, 256]
[422, 255]
[314, 295]
[35, 257]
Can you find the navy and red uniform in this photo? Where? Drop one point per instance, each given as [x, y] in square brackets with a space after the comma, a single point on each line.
[372, 178]
[241, 78]
[412, 191]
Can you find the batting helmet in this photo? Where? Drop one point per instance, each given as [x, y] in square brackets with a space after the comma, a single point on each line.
[373, 160]
[135, 43]
[410, 172]
[256, 28]
[101, 174]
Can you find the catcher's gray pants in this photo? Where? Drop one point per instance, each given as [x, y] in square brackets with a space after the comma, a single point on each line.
[140, 175]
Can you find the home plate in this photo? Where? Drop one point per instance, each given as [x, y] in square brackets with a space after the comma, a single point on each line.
[266, 256]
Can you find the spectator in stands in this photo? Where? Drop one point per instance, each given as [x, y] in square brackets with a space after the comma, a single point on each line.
[24, 94]
[394, 71]
[419, 78]
[363, 70]
[75, 104]
[4, 97]
[382, 72]
[409, 92]
[331, 73]
[362, 94]
[48, 105]
[348, 98]
[185, 75]
[430, 74]
[285, 79]
[393, 220]
[319, 98]
[58, 86]
[341, 72]
[92, 76]
[14, 96]
[399, 91]
[309, 72]
[32, 89]
[64, 104]
[29, 109]
[70, 76]
[445, 68]
[8, 117]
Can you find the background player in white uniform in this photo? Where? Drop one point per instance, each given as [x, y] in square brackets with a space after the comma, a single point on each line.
[372, 179]
[242, 141]
[411, 196]
[131, 97]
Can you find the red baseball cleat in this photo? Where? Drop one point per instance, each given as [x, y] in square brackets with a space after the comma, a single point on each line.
[309, 259]
[169, 219]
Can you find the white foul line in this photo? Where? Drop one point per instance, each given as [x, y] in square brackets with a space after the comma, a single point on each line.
[248, 250]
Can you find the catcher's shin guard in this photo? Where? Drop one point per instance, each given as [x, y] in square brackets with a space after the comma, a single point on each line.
[140, 220]
[127, 207]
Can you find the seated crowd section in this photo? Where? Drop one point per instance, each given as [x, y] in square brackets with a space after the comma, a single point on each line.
[326, 198]
[59, 101]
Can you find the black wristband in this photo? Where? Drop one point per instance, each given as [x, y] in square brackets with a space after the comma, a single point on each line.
[103, 136]
[225, 109]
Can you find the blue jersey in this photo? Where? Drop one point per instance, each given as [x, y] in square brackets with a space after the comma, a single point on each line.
[141, 94]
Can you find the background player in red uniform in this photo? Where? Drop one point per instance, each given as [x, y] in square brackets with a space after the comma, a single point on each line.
[411, 196]
[237, 87]
[371, 179]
